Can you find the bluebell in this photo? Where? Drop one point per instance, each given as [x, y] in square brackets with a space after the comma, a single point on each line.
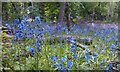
[72, 41]
[37, 18]
[73, 47]
[25, 17]
[112, 46]
[110, 66]
[6, 25]
[116, 42]
[75, 55]
[62, 68]
[17, 20]
[21, 25]
[54, 58]
[59, 64]
[70, 63]
[87, 56]
[31, 49]
[54, 65]
[63, 59]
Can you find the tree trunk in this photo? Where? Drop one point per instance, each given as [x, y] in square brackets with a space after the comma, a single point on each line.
[68, 21]
[119, 12]
[68, 16]
[61, 12]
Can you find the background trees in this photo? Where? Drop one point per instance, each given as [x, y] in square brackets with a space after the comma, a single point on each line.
[64, 12]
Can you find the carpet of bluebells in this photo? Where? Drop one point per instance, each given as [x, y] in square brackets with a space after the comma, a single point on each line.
[28, 51]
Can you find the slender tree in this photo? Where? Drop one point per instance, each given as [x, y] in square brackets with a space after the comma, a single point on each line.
[119, 12]
[61, 12]
[68, 12]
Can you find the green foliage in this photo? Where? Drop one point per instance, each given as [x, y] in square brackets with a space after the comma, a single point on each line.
[42, 59]
[49, 11]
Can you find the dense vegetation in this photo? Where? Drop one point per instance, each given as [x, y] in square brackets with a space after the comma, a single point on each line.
[50, 11]
[49, 36]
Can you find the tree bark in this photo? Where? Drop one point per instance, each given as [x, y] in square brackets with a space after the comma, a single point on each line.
[119, 12]
[68, 16]
[61, 12]
[69, 21]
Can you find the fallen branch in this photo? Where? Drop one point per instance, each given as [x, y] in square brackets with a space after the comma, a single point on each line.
[64, 38]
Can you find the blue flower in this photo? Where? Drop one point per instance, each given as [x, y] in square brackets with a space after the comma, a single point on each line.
[101, 64]
[73, 47]
[95, 34]
[37, 43]
[19, 31]
[87, 56]
[62, 68]
[37, 18]
[54, 65]
[72, 41]
[59, 64]
[26, 28]
[95, 55]
[28, 35]
[117, 42]
[6, 25]
[112, 47]
[43, 30]
[18, 34]
[70, 63]
[23, 21]
[108, 39]
[39, 32]
[63, 59]
[75, 55]
[17, 20]
[110, 66]
[58, 27]
[31, 49]
[113, 38]
[25, 17]
[54, 58]
[61, 38]
[15, 35]
[21, 25]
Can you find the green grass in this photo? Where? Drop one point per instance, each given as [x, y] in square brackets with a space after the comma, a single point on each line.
[42, 59]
